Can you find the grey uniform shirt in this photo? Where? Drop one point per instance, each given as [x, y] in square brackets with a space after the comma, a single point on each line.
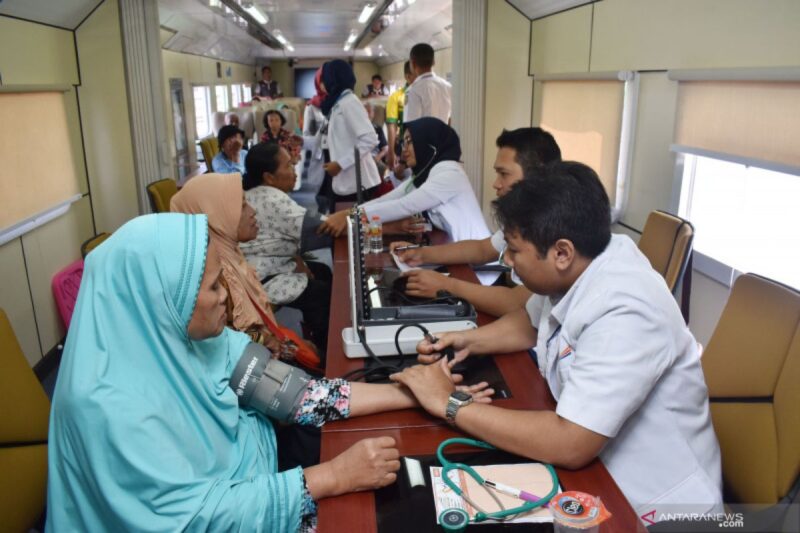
[621, 362]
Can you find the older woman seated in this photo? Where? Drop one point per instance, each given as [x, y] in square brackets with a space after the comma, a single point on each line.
[275, 132]
[285, 228]
[231, 156]
[231, 220]
[147, 435]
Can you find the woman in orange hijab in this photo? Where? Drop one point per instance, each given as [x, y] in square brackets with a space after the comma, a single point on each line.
[231, 220]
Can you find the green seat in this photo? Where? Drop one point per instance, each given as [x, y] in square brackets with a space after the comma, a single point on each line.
[210, 148]
[752, 368]
[666, 241]
[93, 243]
[23, 436]
[161, 192]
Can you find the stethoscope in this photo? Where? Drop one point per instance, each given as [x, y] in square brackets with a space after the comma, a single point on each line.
[456, 519]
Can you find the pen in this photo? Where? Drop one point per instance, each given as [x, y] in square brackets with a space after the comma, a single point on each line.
[511, 491]
[410, 246]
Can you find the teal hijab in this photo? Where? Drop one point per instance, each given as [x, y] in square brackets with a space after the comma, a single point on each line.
[145, 434]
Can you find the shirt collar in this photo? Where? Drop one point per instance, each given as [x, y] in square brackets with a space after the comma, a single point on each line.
[339, 99]
[560, 304]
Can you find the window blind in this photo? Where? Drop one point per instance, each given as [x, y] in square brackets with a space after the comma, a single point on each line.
[749, 119]
[585, 117]
[38, 170]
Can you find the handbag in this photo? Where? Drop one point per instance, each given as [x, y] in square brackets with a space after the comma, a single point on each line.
[292, 347]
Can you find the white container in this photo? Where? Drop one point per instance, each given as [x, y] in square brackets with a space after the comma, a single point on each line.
[375, 236]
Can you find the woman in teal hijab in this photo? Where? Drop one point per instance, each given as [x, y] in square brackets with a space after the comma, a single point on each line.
[145, 433]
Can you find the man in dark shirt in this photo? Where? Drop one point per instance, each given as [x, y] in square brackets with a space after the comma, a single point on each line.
[376, 88]
[267, 87]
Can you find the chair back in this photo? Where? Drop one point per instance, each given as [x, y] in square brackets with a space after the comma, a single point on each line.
[217, 121]
[161, 192]
[379, 115]
[258, 120]
[752, 367]
[23, 436]
[93, 243]
[210, 148]
[667, 243]
[65, 287]
[246, 122]
[291, 119]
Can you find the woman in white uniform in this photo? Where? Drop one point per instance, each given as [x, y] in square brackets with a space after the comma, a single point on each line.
[349, 127]
[440, 188]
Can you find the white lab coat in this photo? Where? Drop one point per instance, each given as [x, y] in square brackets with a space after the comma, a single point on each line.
[311, 165]
[428, 96]
[446, 195]
[349, 127]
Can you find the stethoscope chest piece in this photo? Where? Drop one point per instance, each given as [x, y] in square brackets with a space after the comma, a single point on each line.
[454, 520]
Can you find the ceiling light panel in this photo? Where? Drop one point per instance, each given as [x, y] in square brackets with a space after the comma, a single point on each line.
[366, 13]
[256, 13]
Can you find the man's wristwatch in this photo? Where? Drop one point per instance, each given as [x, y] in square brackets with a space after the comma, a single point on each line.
[456, 401]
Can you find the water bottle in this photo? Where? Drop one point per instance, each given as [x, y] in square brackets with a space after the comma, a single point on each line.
[375, 235]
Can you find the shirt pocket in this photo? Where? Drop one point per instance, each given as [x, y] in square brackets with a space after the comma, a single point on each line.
[560, 353]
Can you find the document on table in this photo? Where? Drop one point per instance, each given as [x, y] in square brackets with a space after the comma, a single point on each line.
[405, 267]
[530, 477]
[402, 265]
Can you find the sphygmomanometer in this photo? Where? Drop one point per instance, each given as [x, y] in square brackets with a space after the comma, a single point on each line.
[268, 386]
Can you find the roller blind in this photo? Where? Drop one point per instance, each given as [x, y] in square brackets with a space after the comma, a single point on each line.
[38, 169]
[585, 117]
[750, 119]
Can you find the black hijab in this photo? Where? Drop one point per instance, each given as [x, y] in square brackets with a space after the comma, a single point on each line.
[337, 76]
[434, 142]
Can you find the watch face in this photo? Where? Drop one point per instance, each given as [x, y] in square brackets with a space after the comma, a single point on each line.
[461, 396]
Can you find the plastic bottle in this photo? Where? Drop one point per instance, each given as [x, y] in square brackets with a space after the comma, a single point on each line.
[375, 235]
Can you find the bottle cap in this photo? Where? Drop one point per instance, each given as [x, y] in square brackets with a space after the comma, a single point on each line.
[375, 217]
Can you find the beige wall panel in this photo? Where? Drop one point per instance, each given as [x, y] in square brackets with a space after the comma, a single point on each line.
[707, 302]
[650, 185]
[561, 43]
[393, 72]
[16, 299]
[283, 75]
[106, 125]
[536, 106]
[48, 249]
[622, 230]
[508, 86]
[364, 70]
[444, 63]
[670, 34]
[36, 54]
[74, 125]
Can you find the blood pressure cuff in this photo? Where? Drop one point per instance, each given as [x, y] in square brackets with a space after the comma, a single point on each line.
[267, 385]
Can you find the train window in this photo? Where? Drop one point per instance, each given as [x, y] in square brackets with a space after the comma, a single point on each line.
[247, 92]
[202, 110]
[236, 95]
[221, 94]
[592, 121]
[745, 218]
[737, 175]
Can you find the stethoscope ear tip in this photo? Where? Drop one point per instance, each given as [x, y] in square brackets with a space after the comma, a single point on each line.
[454, 520]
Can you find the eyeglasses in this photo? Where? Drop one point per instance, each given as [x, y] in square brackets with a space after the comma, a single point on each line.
[406, 142]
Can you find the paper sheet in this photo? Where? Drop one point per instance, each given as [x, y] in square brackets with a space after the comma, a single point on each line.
[401, 265]
[530, 477]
